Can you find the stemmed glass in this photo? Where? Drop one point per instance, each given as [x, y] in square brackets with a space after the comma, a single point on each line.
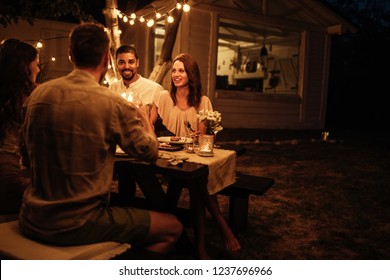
[215, 139]
[136, 99]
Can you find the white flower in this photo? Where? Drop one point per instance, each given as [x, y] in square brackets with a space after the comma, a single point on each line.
[212, 120]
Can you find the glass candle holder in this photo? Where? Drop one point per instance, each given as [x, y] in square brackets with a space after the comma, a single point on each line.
[206, 143]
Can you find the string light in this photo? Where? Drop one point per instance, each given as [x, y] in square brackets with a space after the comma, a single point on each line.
[186, 8]
[149, 19]
[170, 19]
[150, 22]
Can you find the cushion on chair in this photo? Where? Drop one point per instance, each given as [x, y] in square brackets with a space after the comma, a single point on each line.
[14, 245]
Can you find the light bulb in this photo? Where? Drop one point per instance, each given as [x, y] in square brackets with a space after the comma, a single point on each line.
[133, 15]
[125, 19]
[158, 15]
[178, 6]
[39, 45]
[170, 19]
[132, 22]
[141, 19]
[150, 23]
[186, 8]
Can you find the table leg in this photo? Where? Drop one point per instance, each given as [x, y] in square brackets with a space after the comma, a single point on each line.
[198, 191]
[126, 185]
[152, 190]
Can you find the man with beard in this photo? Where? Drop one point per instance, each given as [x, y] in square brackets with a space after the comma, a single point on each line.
[72, 126]
[133, 86]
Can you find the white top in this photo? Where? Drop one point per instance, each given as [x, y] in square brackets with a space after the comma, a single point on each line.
[145, 89]
[173, 117]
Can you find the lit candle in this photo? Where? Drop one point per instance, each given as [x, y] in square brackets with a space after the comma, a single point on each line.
[206, 143]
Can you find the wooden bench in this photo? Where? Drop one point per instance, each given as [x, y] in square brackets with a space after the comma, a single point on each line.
[239, 192]
[13, 245]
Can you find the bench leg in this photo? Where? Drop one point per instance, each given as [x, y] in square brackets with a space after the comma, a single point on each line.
[238, 212]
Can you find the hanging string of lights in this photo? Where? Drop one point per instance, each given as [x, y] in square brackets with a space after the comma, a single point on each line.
[151, 18]
[131, 19]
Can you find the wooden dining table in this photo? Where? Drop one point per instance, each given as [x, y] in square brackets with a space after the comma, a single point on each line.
[201, 175]
[215, 173]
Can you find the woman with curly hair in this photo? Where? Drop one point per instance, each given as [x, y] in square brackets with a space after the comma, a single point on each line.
[18, 71]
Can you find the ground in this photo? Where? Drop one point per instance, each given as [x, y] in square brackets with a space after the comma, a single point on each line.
[331, 198]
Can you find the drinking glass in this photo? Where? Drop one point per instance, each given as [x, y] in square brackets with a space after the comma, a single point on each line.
[136, 99]
[206, 143]
[215, 140]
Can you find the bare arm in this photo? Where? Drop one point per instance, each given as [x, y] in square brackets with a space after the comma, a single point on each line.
[143, 114]
[153, 114]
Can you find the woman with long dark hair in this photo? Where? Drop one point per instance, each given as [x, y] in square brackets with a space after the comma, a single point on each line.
[18, 71]
[178, 109]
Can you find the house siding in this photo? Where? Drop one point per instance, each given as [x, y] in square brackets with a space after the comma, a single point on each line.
[265, 110]
[199, 44]
[54, 35]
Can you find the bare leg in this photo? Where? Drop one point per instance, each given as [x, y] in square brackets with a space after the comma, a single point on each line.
[165, 229]
[229, 239]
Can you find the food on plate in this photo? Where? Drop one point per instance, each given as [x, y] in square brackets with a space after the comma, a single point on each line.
[164, 145]
[175, 138]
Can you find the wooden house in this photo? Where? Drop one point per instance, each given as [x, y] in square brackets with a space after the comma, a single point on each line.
[264, 64]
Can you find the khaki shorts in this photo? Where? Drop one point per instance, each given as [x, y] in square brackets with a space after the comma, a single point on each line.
[120, 224]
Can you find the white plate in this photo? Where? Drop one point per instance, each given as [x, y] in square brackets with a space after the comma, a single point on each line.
[167, 139]
[204, 154]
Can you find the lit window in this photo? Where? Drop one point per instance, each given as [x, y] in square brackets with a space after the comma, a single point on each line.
[257, 58]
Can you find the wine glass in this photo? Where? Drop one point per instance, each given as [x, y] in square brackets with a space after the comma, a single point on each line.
[135, 99]
[215, 139]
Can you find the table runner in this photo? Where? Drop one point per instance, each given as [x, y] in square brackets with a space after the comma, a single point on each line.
[222, 167]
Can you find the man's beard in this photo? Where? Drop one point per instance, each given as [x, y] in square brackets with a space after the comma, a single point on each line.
[128, 77]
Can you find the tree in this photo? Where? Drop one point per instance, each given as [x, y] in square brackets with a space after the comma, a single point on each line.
[164, 62]
[11, 11]
[356, 96]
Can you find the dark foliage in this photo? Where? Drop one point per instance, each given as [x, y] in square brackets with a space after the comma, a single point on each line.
[11, 11]
[358, 79]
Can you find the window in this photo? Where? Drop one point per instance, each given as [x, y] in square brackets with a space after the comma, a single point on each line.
[256, 58]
